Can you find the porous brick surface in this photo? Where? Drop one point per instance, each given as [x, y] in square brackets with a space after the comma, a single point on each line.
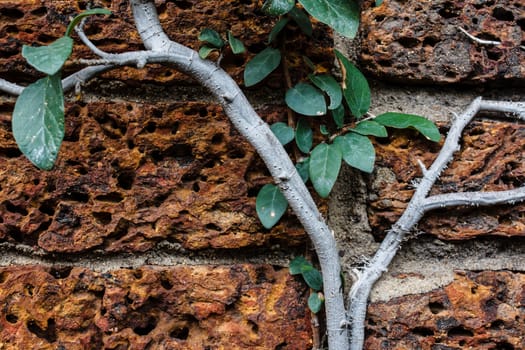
[420, 41]
[190, 307]
[478, 310]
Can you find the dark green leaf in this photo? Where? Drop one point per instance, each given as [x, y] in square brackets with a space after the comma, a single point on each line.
[277, 7]
[355, 87]
[270, 205]
[283, 132]
[379, 2]
[303, 135]
[312, 277]
[205, 51]
[357, 151]
[315, 302]
[303, 168]
[370, 127]
[261, 66]
[341, 15]
[325, 163]
[339, 115]
[277, 28]
[38, 121]
[302, 20]
[49, 59]
[297, 265]
[79, 17]
[328, 84]
[402, 121]
[309, 63]
[324, 129]
[236, 45]
[305, 99]
[211, 37]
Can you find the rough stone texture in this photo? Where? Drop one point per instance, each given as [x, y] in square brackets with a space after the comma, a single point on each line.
[419, 41]
[478, 310]
[192, 307]
[485, 163]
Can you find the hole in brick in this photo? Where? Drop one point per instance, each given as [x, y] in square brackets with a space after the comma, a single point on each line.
[29, 289]
[60, 272]
[217, 139]
[12, 13]
[45, 39]
[47, 207]
[423, 331]
[183, 5]
[436, 307]
[129, 108]
[17, 209]
[48, 333]
[448, 11]
[76, 195]
[379, 18]
[137, 274]
[196, 187]
[10, 152]
[11, 318]
[145, 329]
[39, 12]
[502, 14]
[497, 325]
[125, 180]
[112, 197]
[212, 226]
[174, 128]
[203, 112]
[281, 346]
[459, 332]
[430, 41]
[494, 54]
[165, 282]
[504, 346]
[488, 36]
[15, 233]
[96, 149]
[180, 333]
[236, 154]
[103, 218]
[521, 23]
[253, 326]
[408, 42]
[3, 276]
[11, 29]
[151, 127]
[385, 63]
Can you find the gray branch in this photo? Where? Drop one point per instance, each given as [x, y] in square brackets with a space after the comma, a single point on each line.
[419, 205]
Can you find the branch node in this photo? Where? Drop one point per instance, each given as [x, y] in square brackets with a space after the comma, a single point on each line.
[422, 167]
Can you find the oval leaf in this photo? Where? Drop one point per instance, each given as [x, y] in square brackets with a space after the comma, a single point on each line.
[330, 86]
[370, 127]
[355, 87]
[236, 45]
[270, 205]
[341, 15]
[325, 163]
[304, 135]
[297, 265]
[49, 59]
[211, 37]
[283, 132]
[312, 277]
[79, 17]
[277, 7]
[205, 51]
[402, 121]
[357, 150]
[315, 302]
[261, 66]
[302, 20]
[338, 114]
[38, 121]
[277, 28]
[303, 168]
[305, 99]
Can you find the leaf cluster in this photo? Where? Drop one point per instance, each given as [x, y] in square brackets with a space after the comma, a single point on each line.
[313, 278]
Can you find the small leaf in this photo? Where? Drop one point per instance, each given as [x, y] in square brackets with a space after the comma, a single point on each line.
[370, 127]
[303, 135]
[261, 66]
[325, 163]
[80, 16]
[277, 28]
[402, 121]
[379, 2]
[270, 205]
[38, 121]
[205, 51]
[355, 87]
[341, 15]
[211, 37]
[236, 45]
[328, 84]
[303, 168]
[324, 129]
[305, 99]
[309, 63]
[338, 114]
[302, 20]
[277, 7]
[297, 264]
[357, 151]
[312, 277]
[283, 132]
[315, 302]
[49, 59]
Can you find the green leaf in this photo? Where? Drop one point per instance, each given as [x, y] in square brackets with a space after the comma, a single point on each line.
[205, 51]
[297, 265]
[49, 59]
[211, 37]
[309, 63]
[370, 127]
[38, 121]
[315, 302]
[338, 114]
[312, 277]
[80, 16]
[283, 132]
[302, 20]
[324, 129]
[325, 163]
[270, 205]
[277, 28]
[355, 87]
[277, 7]
[379, 2]
[236, 45]
[402, 121]
[357, 150]
[328, 84]
[303, 135]
[261, 66]
[341, 15]
[303, 168]
[305, 99]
